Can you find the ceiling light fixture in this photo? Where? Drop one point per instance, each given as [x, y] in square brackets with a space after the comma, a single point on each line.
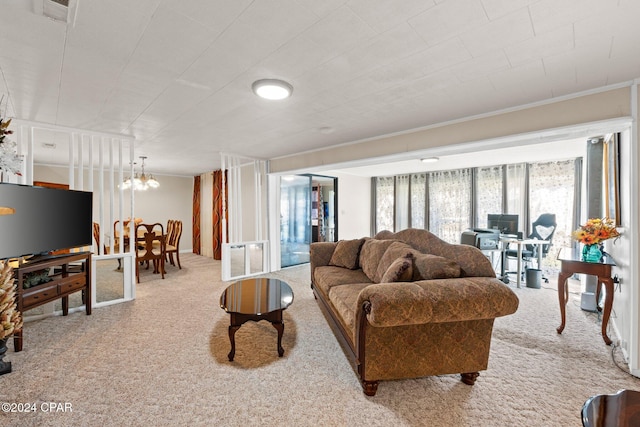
[141, 183]
[272, 89]
[430, 159]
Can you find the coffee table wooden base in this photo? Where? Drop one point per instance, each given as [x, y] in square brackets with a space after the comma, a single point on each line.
[238, 319]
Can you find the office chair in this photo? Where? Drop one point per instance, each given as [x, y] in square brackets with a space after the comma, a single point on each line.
[542, 228]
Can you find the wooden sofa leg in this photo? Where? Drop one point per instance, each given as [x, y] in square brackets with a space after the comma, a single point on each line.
[369, 387]
[469, 377]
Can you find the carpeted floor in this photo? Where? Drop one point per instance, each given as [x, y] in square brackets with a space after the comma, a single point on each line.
[161, 360]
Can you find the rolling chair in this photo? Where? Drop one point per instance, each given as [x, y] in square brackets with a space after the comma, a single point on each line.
[542, 228]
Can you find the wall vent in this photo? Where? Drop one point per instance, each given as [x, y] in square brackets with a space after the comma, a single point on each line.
[58, 10]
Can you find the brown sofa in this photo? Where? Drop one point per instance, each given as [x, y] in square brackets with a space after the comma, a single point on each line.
[409, 305]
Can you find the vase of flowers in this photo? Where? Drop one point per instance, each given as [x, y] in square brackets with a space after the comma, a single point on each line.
[10, 317]
[592, 235]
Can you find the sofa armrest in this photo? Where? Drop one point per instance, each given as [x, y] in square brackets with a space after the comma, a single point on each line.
[394, 304]
[436, 301]
[472, 261]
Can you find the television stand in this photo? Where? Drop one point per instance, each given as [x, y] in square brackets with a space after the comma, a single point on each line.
[65, 279]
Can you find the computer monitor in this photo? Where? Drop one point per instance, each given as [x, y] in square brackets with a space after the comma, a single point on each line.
[506, 223]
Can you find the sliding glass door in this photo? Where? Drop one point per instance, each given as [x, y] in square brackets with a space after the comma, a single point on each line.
[295, 219]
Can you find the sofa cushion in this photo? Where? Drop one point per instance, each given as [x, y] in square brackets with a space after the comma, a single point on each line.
[370, 255]
[394, 251]
[346, 254]
[326, 277]
[427, 267]
[345, 298]
[400, 270]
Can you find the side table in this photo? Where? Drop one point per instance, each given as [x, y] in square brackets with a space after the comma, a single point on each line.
[571, 263]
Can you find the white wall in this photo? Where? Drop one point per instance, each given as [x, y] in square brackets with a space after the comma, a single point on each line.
[354, 206]
[172, 200]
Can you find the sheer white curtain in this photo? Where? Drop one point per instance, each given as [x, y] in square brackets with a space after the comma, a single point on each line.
[551, 190]
[449, 203]
[402, 202]
[385, 201]
[489, 183]
[517, 194]
[418, 200]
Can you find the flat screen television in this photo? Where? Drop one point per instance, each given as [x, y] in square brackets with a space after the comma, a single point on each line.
[505, 223]
[39, 220]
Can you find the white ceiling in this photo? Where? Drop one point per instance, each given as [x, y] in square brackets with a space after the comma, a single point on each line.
[177, 74]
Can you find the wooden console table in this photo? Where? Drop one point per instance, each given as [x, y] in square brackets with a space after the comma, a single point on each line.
[71, 273]
[572, 263]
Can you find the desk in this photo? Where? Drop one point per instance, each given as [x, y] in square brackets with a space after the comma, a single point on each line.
[572, 263]
[506, 240]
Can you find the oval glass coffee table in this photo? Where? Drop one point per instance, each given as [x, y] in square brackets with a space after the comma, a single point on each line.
[256, 299]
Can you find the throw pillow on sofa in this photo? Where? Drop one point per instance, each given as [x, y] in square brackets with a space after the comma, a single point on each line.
[394, 251]
[400, 270]
[427, 267]
[346, 254]
[371, 255]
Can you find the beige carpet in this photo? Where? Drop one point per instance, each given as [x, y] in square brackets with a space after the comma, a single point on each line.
[161, 361]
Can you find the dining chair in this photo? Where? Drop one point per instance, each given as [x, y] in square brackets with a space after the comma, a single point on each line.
[116, 236]
[150, 247]
[96, 237]
[106, 250]
[174, 232]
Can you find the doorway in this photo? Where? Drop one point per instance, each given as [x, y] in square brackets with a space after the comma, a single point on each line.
[307, 214]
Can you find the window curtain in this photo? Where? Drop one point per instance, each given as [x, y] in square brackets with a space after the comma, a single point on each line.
[195, 220]
[489, 193]
[385, 203]
[208, 217]
[449, 203]
[552, 190]
[402, 202]
[418, 200]
[218, 219]
[516, 194]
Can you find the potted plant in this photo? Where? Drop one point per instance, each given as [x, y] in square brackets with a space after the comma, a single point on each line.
[10, 317]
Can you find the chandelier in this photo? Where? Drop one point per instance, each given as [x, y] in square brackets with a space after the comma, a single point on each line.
[142, 182]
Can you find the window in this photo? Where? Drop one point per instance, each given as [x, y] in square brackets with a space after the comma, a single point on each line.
[402, 202]
[418, 200]
[488, 198]
[385, 206]
[551, 190]
[448, 202]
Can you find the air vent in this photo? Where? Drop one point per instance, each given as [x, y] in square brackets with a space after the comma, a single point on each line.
[58, 10]
[49, 145]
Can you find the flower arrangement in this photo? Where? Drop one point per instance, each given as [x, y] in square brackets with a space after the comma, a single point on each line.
[10, 161]
[596, 230]
[10, 317]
